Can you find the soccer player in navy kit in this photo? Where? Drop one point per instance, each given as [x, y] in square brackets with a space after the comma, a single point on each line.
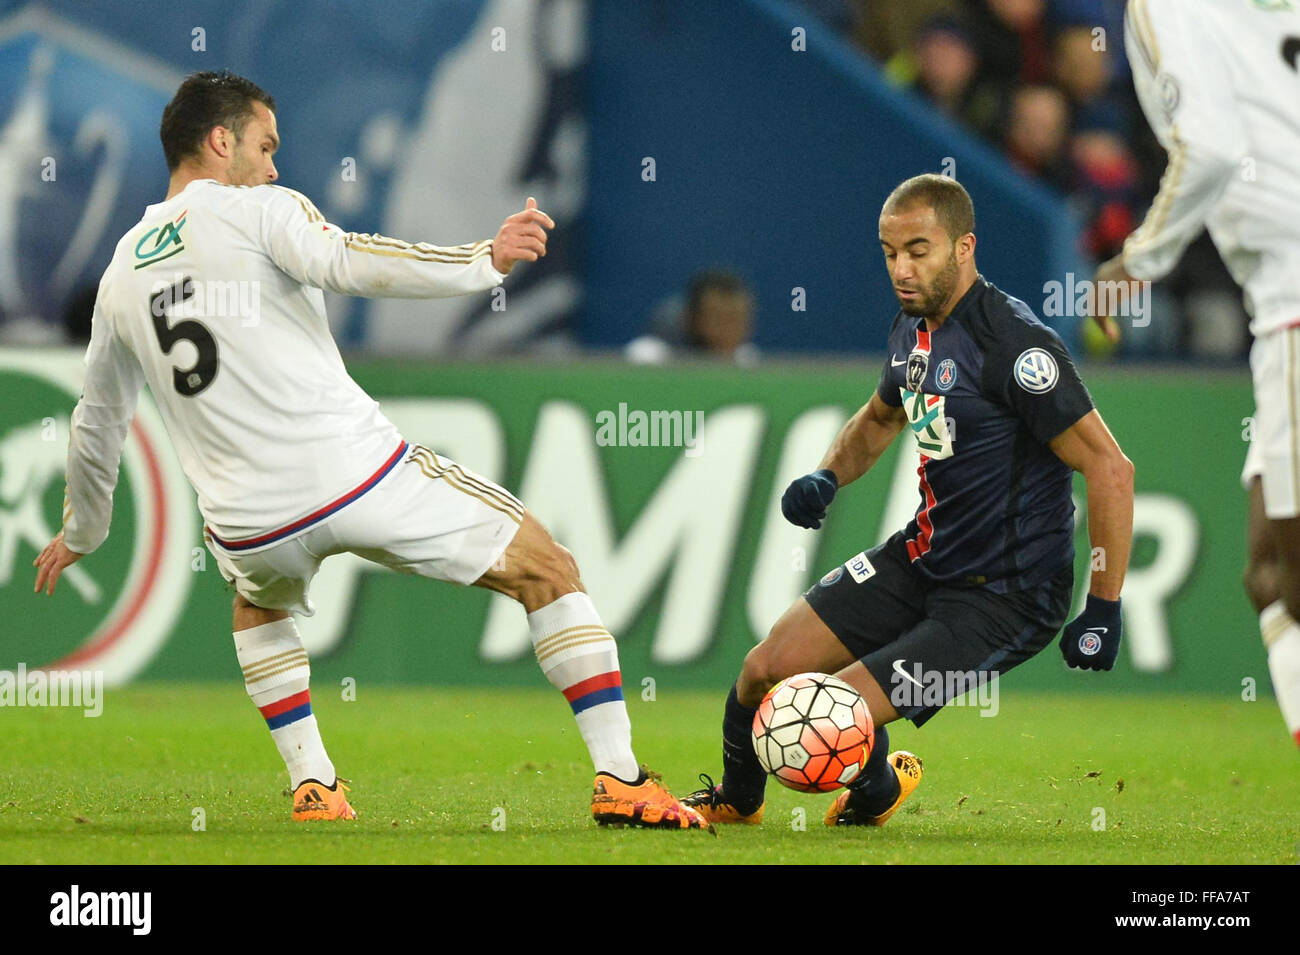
[981, 578]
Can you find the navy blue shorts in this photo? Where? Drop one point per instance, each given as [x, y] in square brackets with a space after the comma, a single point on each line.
[926, 642]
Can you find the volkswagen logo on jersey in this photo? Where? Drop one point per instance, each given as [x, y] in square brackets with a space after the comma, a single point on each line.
[947, 374]
[918, 362]
[1036, 371]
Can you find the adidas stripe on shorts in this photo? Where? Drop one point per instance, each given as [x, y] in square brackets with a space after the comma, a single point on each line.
[428, 515]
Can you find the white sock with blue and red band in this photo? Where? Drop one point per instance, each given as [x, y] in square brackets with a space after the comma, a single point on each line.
[580, 658]
[276, 675]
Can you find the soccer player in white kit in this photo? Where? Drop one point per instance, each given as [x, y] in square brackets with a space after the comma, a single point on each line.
[1219, 82]
[290, 459]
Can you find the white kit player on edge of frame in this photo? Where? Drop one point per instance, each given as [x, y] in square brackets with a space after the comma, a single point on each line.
[1219, 82]
[290, 459]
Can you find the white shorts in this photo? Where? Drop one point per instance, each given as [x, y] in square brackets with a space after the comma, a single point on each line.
[1274, 452]
[427, 516]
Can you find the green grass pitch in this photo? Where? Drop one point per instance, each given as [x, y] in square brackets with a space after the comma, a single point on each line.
[1180, 779]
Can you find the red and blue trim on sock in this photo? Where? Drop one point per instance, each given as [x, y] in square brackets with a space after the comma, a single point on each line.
[289, 710]
[593, 691]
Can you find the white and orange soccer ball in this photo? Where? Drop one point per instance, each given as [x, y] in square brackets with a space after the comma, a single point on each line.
[813, 732]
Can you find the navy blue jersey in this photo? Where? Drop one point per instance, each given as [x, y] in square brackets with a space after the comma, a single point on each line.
[984, 394]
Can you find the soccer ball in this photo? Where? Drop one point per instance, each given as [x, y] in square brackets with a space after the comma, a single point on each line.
[813, 732]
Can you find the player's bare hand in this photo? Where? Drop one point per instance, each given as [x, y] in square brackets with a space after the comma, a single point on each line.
[1112, 270]
[51, 562]
[522, 238]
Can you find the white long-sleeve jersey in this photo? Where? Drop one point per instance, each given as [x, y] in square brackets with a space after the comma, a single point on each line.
[1219, 81]
[215, 300]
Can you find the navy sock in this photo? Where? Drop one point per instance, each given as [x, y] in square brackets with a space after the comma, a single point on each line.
[743, 776]
[876, 787]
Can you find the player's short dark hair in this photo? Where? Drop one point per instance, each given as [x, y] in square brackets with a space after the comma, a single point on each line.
[946, 196]
[205, 100]
[712, 280]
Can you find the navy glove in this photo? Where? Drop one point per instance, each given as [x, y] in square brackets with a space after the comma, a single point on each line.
[1091, 640]
[805, 501]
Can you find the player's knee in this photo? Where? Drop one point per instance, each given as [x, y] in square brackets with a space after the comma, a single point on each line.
[755, 677]
[554, 574]
[248, 614]
[560, 570]
[765, 666]
[1260, 579]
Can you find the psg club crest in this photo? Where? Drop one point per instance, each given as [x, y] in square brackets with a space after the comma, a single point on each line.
[918, 363]
[1089, 644]
[947, 374]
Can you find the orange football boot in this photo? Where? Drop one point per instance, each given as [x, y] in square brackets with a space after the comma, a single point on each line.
[708, 802]
[313, 801]
[647, 804]
[907, 766]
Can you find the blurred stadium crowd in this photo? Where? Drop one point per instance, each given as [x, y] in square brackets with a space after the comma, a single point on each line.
[1047, 83]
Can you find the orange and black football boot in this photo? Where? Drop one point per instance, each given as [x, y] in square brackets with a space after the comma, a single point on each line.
[708, 802]
[644, 803]
[314, 801]
[907, 766]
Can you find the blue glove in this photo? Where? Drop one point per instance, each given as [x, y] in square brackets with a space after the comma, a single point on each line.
[1091, 640]
[805, 501]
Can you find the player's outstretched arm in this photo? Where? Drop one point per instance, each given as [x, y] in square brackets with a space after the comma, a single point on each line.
[1192, 107]
[1091, 641]
[863, 439]
[1188, 193]
[1089, 448]
[317, 253]
[858, 446]
[97, 432]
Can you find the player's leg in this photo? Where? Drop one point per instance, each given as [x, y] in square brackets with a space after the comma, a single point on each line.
[799, 642]
[1266, 571]
[1261, 574]
[436, 518]
[888, 778]
[968, 638]
[277, 672]
[855, 608]
[1272, 478]
[580, 659]
[575, 651]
